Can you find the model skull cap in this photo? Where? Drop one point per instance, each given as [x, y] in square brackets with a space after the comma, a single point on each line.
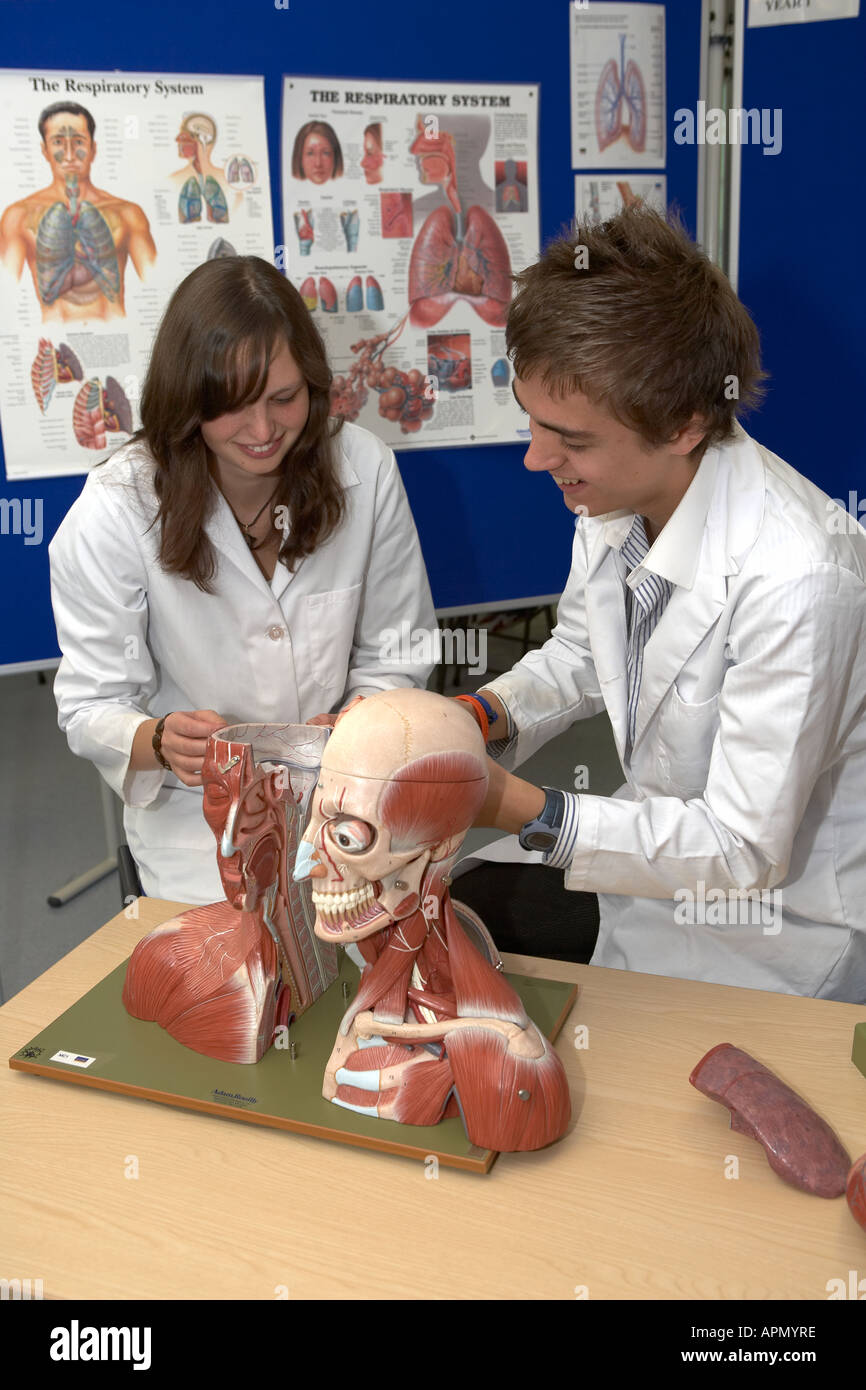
[393, 728]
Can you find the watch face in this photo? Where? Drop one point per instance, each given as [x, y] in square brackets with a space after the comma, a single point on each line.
[540, 839]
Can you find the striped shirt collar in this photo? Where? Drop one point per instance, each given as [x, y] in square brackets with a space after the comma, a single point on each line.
[675, 552]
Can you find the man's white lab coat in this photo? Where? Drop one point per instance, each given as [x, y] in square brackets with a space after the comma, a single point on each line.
[138, 642]
[748, 769]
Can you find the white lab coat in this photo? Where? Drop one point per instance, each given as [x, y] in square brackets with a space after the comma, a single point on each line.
[138, 642]
[749, 762]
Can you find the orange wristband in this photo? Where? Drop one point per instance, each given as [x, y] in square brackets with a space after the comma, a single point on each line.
[482, 713]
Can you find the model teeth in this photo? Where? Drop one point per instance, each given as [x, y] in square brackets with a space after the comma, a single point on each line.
[339, 911]
[341, 902]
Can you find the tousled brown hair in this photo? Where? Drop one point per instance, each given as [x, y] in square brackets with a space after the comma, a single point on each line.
[211, 356]
[651, 330]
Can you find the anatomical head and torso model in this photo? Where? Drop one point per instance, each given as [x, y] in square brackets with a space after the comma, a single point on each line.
[435, 1029]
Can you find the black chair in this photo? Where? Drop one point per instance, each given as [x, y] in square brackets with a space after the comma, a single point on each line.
[127, 870]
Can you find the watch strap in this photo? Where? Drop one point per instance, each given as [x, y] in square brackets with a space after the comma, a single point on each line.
[547, 824]
[156, 743]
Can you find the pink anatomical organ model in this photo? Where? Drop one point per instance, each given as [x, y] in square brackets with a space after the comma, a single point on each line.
[100, 409]
[51, 365]
[620, 103]
[800, 1146]
[221, 979]
[855, 1190]
[459, 258]
[435, 1029]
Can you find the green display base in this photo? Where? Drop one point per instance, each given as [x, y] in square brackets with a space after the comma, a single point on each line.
[858, 1055]
[141, 1059]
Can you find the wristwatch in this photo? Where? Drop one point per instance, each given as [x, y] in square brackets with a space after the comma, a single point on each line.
[543, 832]
[156, 743]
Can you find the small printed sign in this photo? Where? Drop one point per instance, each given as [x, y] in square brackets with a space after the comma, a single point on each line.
[73, 1059]
[764, 12]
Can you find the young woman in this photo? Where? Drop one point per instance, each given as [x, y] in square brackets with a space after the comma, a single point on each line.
[239, 560]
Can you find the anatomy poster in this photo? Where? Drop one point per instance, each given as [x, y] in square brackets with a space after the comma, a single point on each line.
[113, 186]
[599, 198]
[406, 210]
[617, 86]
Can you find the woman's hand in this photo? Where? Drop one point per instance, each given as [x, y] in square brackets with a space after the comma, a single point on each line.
[330, 721]
[184, 743]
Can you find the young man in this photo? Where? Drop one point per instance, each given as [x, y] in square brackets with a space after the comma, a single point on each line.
[715, 607]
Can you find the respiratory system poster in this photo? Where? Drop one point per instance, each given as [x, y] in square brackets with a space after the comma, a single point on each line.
[407, 208]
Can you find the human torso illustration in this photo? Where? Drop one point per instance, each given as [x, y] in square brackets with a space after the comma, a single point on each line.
[74, 237]
[202, 186]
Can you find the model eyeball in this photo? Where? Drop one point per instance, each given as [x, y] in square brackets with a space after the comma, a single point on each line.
[351, 836]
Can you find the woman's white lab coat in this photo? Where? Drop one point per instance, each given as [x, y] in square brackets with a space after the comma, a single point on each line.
[748, 769]
[138, 642]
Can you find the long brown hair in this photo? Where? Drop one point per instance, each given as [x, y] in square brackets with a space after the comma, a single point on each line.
[211, 356]
[633, 314]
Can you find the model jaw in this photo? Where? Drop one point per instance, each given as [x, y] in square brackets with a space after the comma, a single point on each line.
[349, 916]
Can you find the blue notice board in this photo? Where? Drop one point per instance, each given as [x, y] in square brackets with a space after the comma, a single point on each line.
[492, 533]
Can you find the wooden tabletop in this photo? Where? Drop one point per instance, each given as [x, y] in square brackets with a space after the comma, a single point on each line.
[633, 1203]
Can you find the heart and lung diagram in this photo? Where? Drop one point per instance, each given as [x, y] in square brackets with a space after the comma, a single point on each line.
[74, 247]
[99, 409]
[459, 257]
[50, 365]
[448, 266]
[621, 90]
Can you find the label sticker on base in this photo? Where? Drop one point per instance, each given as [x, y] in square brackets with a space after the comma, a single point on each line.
[73, 1059]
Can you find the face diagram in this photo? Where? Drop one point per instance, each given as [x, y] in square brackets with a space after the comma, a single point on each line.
[68, 147]
[186, 144]
[373, 158]
[196, 131]
[317, 158]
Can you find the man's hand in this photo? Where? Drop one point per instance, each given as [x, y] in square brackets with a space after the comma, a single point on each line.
[510, 802]
[499, 728]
